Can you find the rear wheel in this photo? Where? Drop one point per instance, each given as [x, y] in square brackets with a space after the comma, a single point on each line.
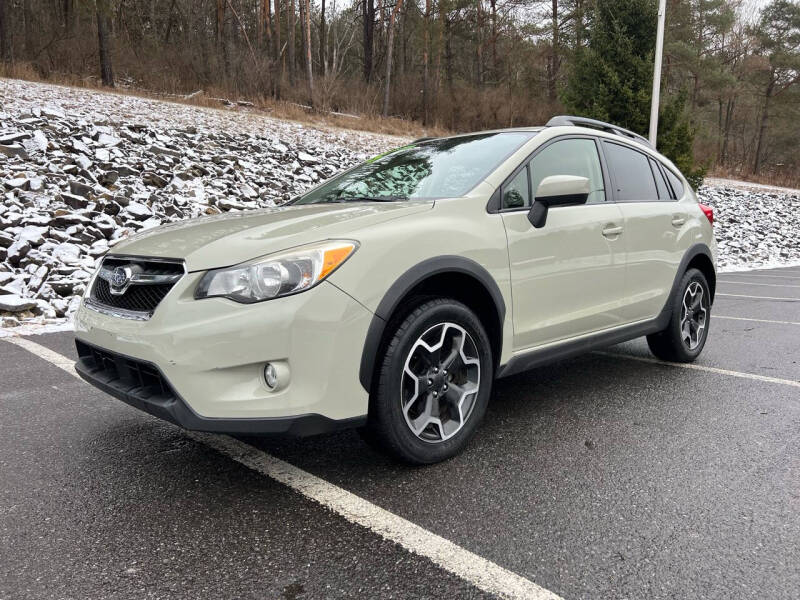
[684, 337]
[434, 383]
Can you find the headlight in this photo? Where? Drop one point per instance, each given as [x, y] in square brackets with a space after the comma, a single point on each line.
[277, 275]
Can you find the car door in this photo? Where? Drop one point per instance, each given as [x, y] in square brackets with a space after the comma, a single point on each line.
[655, 224]
[568, 277]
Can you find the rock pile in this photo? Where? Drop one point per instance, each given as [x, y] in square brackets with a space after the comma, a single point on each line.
[755, 226]
[74, 183]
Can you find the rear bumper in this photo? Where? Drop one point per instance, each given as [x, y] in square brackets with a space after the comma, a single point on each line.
[142, 385]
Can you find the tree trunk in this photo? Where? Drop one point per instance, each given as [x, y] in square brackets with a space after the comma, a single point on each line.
[279, 64]
[389, 48]
[764, 122]
[368, 17]
[323, 63]
[106, 72]
[495, 70]
[219, 30]
[552, 68]
[291, 16]
[5, 40]
[68, 12]
[426, 50]
[305, 24]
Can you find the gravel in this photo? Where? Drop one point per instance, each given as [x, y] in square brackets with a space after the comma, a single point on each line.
[81, 170]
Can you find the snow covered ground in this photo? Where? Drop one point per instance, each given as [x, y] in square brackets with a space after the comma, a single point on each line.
[82, 169]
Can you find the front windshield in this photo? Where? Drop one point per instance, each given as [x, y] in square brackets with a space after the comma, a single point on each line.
[441, 168]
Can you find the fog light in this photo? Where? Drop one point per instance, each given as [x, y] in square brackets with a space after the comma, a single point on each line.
[271, 376]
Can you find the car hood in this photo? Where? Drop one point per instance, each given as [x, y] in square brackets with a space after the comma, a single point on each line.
[223, 240]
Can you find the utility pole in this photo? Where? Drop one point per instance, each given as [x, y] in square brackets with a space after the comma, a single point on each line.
[662, 10]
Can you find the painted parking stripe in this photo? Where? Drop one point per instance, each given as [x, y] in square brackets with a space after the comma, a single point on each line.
[757, 283]
[713, 316]
[738, 274]
[694, 367]
[474, 569]
[757, 297]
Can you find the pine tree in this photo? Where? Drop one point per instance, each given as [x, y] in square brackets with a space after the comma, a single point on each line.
[611, 78]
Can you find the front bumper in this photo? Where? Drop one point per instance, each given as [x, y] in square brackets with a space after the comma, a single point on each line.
[210, 355]
[143, 386]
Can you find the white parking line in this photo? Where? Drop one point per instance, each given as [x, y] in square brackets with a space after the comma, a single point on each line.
[694, 367]
[756, 297]
[713, 316]
[762, 275]
[474, 569]
[756, 283]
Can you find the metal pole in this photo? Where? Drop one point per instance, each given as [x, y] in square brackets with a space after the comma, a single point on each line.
[662, 11]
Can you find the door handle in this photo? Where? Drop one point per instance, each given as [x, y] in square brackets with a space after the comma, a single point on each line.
[611, 231]
[678, 220]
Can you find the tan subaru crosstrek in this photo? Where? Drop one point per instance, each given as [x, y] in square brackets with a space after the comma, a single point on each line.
[390, 297]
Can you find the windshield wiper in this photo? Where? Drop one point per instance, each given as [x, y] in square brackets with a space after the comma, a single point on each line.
[369, 199]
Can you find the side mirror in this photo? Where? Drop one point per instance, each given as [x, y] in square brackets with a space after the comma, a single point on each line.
[557, 190]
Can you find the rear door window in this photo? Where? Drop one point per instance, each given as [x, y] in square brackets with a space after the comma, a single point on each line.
[633, 178]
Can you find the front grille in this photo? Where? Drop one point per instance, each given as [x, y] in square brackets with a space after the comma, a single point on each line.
[138, 378]
[141, 296]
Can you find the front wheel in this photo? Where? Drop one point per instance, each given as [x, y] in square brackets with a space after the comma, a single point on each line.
[684, 337]
[434, 383]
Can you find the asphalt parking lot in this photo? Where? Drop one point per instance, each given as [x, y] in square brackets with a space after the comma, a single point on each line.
[607, 476]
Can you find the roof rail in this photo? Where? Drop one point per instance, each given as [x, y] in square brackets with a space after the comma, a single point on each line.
[567, 120]
[423, 139]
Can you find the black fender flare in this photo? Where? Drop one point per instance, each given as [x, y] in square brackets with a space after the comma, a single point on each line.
[404, 284]
[693, 251]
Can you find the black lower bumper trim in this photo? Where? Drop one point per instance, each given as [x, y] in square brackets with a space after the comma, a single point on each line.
[142, 385]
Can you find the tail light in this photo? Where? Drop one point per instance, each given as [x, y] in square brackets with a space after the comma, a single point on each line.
[708, 212]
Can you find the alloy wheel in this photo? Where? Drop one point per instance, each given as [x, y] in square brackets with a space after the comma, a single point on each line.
[440, 382]
[694, 315]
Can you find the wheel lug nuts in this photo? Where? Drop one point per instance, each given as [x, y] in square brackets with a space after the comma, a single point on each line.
[436, 369]
[435, 394]
[430, 381]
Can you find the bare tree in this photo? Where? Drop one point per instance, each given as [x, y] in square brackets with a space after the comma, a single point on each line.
[426, 51]
[389, 49]
[290, 24]
[5, 40]
[104, 44]
[323, 63]
[368, 18]
[305, 25]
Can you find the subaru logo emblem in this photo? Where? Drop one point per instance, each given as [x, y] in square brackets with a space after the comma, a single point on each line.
[120, 277]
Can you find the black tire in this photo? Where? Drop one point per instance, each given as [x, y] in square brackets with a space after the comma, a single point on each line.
[387, 427]
[670, 344]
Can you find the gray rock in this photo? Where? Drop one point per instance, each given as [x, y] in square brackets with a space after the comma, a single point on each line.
[80, 189]
[38, 278]
[14, 303]
[73, 200]
[67, 253]
[40, 141]
[17, 251]
[9, 138]
[138, 211]
[108, 140]
[53, 112]
[33, 235]
[14, 150]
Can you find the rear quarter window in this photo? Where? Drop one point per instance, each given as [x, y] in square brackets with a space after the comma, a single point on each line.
[675, 183]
